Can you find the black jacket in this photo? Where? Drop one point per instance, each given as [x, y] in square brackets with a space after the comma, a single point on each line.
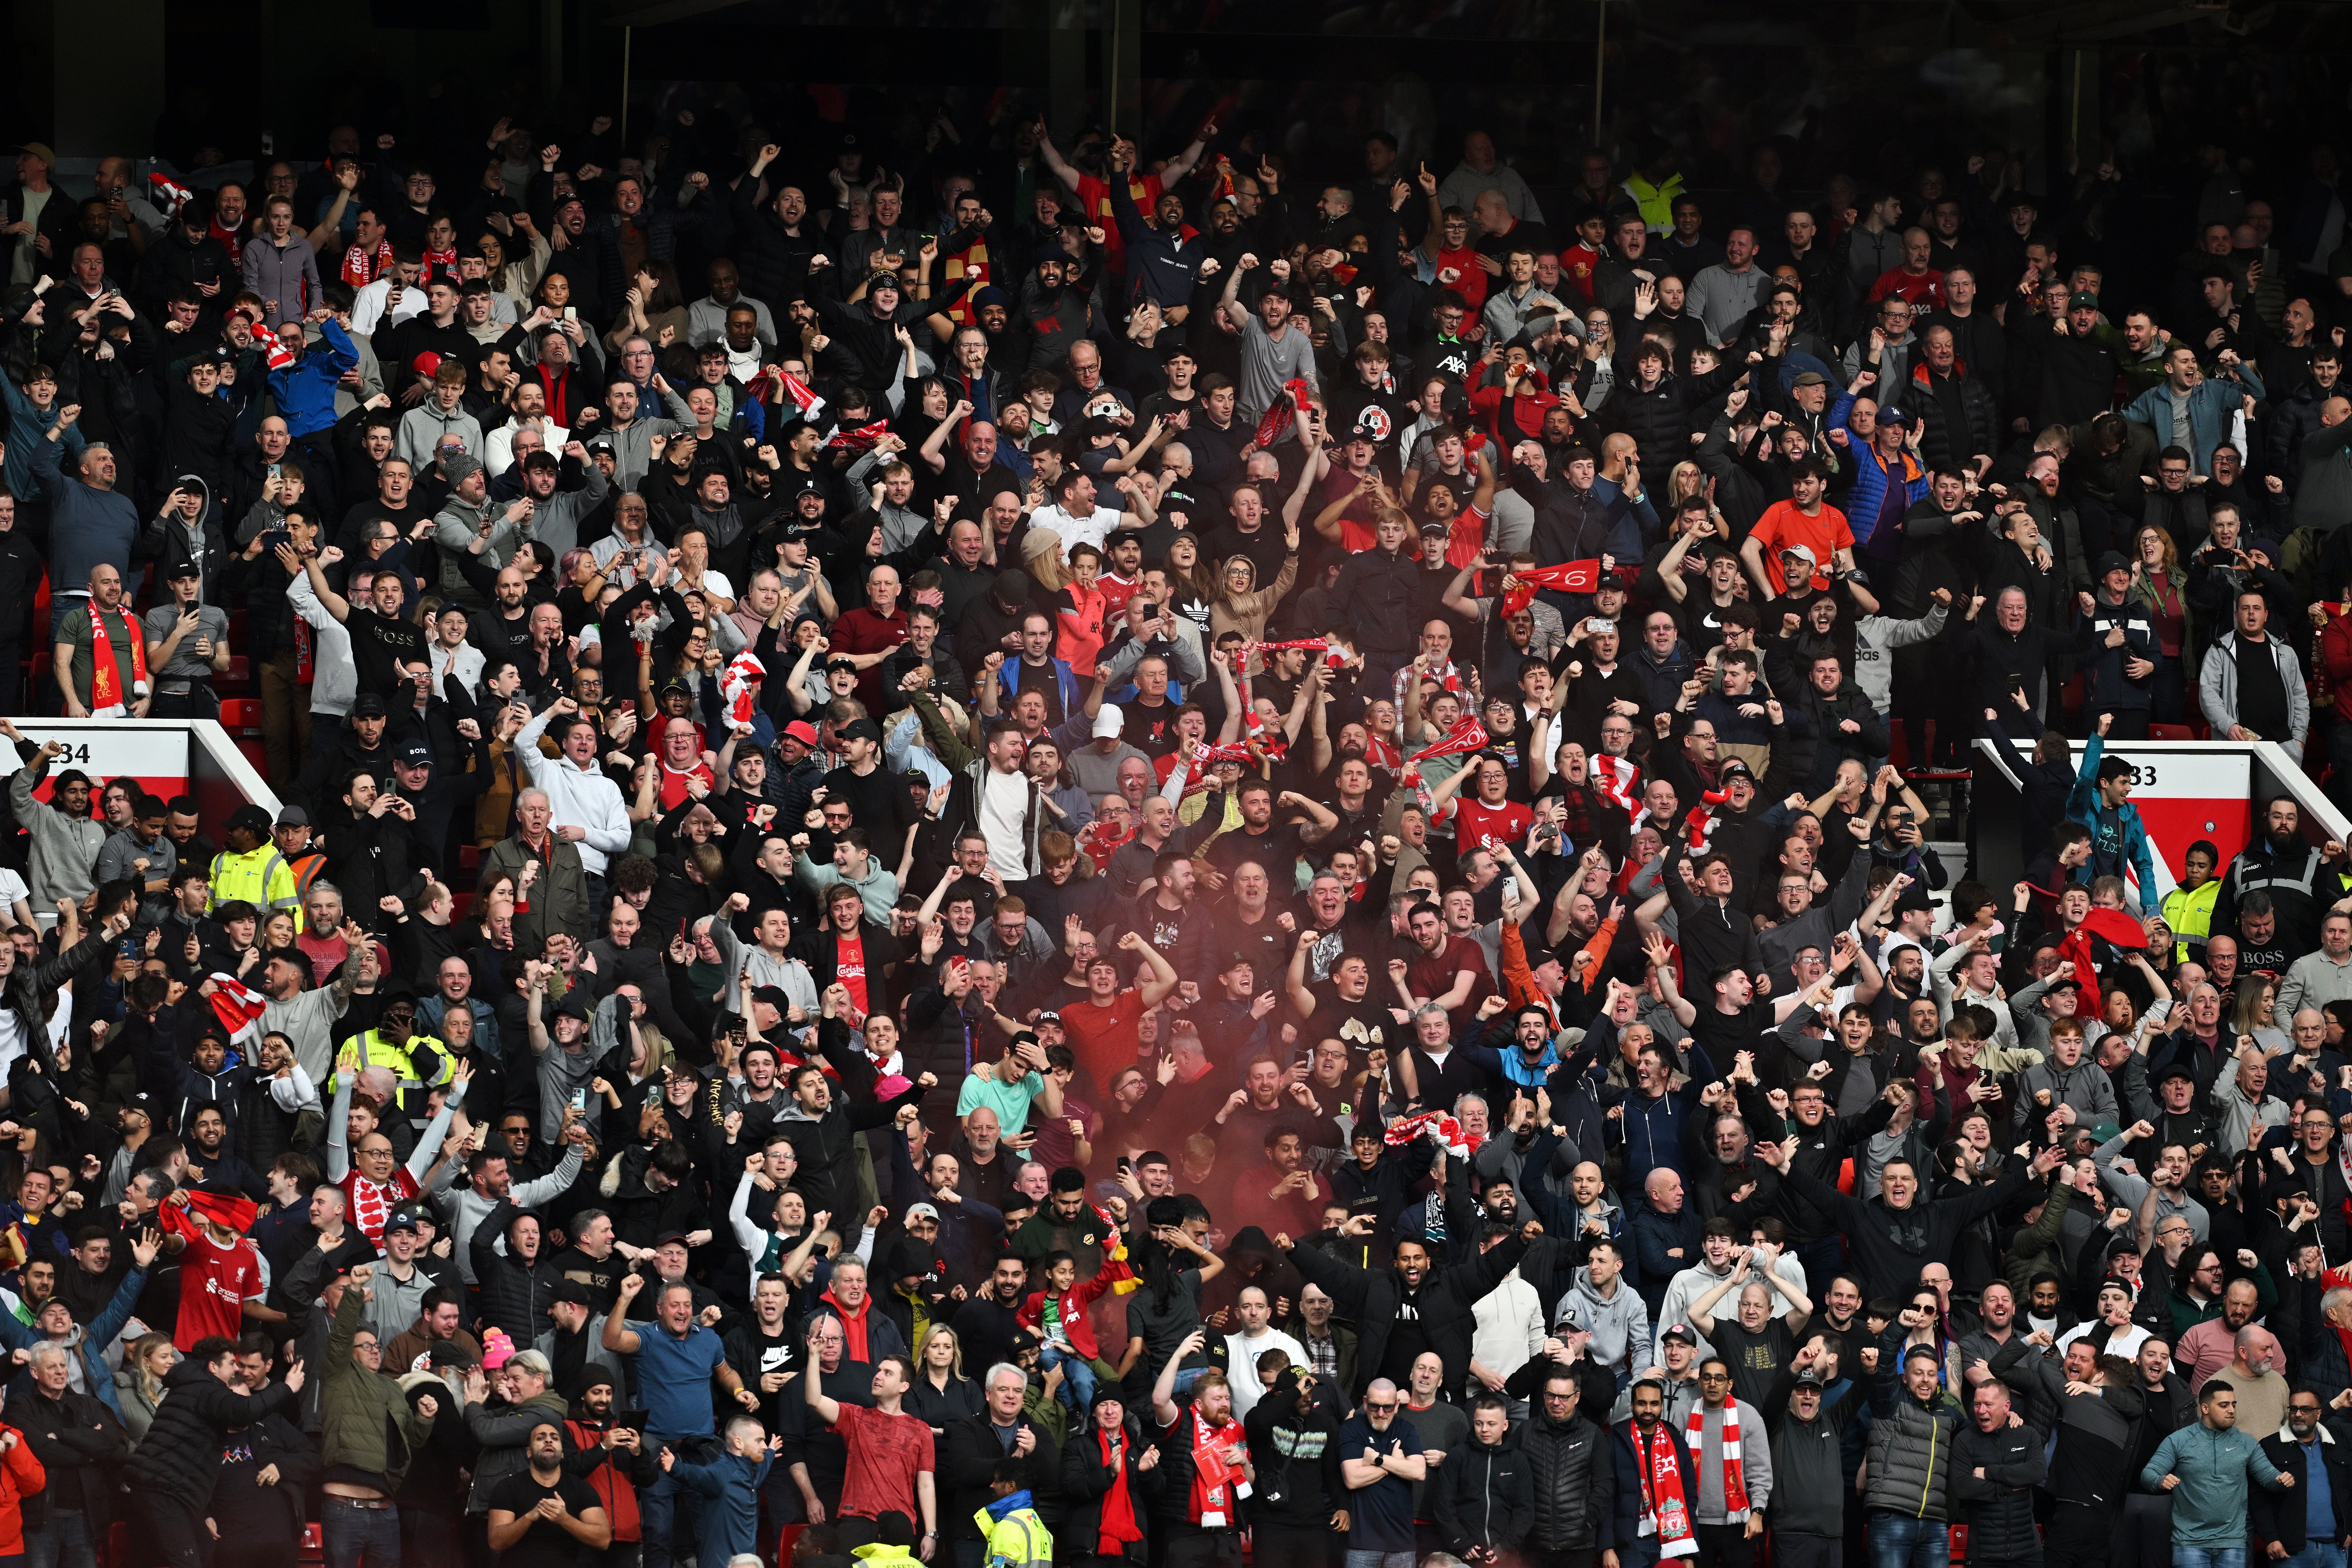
[968, 1458]
[1571, 1482]
[180, 1455]
[1443, 1303]
[2280, 1516]
[79, 1442]
[515, 1295]
[1485, 1497]
[1086, 1479]
[1999, 1507]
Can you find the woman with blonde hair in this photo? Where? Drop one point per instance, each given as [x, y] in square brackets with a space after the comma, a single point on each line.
[943, 1393]
[1237, 605]
[140, 1382]
[2159, 584]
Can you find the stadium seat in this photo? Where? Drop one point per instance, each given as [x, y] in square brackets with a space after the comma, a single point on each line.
[254, 752]
[237, 676]
[241, 716]
[1928, 749]
[1898, 746]
[314, 1544]
[2170, 733]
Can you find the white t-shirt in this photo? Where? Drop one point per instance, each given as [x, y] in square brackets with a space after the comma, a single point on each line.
[1241, 1360]
[2126, 1343]
[1004, 814]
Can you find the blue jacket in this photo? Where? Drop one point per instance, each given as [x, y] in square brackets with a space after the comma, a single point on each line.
[1869, 492]
[729, 1489]
[32, 457]
[2209, 408]
[2118, 837]
[1074, 692]
[97, 1334]
[305, 390]
[1651, 1130]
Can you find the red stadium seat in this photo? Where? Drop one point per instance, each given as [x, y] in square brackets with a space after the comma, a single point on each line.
[1898, 746]
[469, 857]
[2170, 733]
[254, 752]
[314, 1544]
[241, 716]
[237, 676]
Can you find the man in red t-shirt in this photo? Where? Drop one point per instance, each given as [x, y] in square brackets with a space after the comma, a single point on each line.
[219, 1273]
[1802, 519]
[853, 967]
[1487, 819]
[891, 1464]
[1105, 1028]
[1094, 191]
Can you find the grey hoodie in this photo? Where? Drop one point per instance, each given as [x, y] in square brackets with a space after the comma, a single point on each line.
[1619, 1325]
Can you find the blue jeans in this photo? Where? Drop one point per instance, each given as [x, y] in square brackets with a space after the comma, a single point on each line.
[353, 1533]
[1898, 1541]
[64, 1543]
[662, 1523]
[2315, 1554]
[2213, 1556]
[1379, 1559]
[1077, 1390]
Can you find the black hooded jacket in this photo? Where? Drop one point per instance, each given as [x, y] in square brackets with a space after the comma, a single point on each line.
[181, 1454]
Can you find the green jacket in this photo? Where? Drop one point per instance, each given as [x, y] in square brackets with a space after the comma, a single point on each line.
[366, 1422]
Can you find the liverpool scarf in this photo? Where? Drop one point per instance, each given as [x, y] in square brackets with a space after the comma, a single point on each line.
[227, 1210]
[1467, 735]
[362, 267]
[1574, 577]
[1619, 781]
[1664, 1513]
[1735, 1489]
[1275, 423]
[1216, 1483]
[105, 698]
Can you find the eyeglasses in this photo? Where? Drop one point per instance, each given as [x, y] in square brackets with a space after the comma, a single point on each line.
[1379, 1409]
[1715, 1377]
[366, 1345]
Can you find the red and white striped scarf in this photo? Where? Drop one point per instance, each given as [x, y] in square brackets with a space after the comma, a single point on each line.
[1619, 780]
[1735, 1489]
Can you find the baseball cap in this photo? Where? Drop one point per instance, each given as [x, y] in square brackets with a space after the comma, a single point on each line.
[863, 729]
[773, 995]
[921, 1211]
[1801, 552]
[1807, 1378]
[803, 732]
[415, 754]
[400, 1219]
[1108, 721]
[252, 818]
[1438, 528]
[1680, 1331]
[1893, 416]
[574, 1293]
[367, 705]
[2113, 560]
[2084, 299]
[1733, 769]
[293, 816]
[1809, 378]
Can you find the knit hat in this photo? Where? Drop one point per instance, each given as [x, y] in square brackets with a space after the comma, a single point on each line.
[459, 467]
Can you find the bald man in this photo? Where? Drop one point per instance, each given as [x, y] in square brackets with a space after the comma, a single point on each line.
[106, 682]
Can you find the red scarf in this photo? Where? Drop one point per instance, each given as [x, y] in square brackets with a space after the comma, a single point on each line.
[1215, 1482]
[229, 1211]
[1275, 423]
[559, 399]
[1665, 1514]
[1735, 1488]
[2114, 925]
[105, 698]
[1574, 577]
[1118, 1527]
[370, 1203]
[362, 267]
[441, 264]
